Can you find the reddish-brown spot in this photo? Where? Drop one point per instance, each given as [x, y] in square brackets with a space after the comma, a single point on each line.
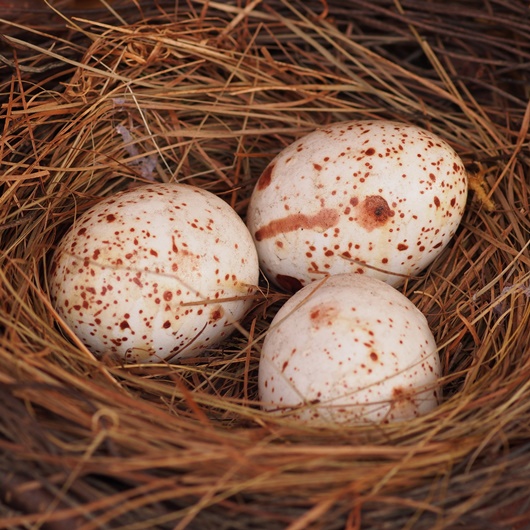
[124, 325]
[217, 314]
[96, 254]
[374, 356]
[265, 178]
[318, 167]
[153, 253]
[436, 202]
[174, 247]
[324, 219]
[374, 213]
[403, 404]
[370, 152]
[402, 246]
[81, 232]
[288, 283]
[111, 218]
[314, 314]
[168, 295]
[284, 365]
[166, 324]
[354, 201]
[432, 177]
[324, 314]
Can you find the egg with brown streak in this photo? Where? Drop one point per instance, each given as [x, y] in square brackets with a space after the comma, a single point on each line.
[156, 273]
[379, 197]
[349, 349]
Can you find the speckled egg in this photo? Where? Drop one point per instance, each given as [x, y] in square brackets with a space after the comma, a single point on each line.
[349, 349]
[372, 197]
[156, 273]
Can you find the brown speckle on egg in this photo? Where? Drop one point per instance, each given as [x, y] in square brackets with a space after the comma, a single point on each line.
[324, 219]
[374, 213]
[266, 177]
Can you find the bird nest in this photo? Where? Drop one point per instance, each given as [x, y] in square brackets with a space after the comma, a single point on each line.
[207, 93]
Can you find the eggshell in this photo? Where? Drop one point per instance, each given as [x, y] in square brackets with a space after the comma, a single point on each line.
[156, 273]
[373, 197]
[349, 349]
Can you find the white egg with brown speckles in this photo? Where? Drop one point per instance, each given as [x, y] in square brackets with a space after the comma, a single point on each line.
[156, 273]
[373, 197]
[349, 349]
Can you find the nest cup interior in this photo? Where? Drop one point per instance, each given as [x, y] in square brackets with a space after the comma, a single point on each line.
[208, 95]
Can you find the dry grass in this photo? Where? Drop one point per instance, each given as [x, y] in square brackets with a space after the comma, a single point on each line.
[207, 93]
